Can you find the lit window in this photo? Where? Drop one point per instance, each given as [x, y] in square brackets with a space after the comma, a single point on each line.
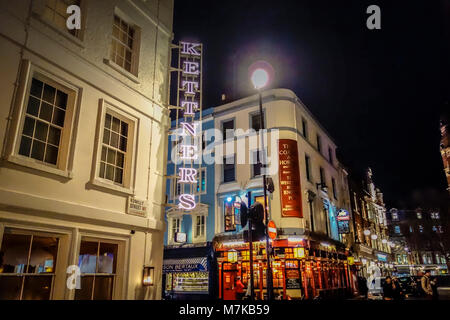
[419, 215]
[434, 228]
[397, 229]
[201, 181]
[55, 12]
[420, 228]
[114, 149]
[230, 217]
[28, 267]
[394, 216]
[97, 262]
[411, 229]
[434, 215]
[124, 45]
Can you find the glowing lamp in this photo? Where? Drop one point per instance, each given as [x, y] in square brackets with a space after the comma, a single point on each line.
[374, 237]
[367, 232]
[148, 276]
[260, 78]
[229, 199]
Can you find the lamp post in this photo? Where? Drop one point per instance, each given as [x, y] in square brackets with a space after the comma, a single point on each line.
[260, 78]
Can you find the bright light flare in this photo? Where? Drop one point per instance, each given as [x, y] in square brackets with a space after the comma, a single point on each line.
[260, 78]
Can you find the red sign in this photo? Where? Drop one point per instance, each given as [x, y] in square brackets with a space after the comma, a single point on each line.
[289, 174]
[272, 230]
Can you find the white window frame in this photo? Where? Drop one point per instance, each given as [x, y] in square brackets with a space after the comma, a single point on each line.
[171, 234]
[65, 154]
[198, 238]
[128, 180]
[134, 72]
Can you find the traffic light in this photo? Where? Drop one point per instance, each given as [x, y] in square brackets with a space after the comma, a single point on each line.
[256, 214]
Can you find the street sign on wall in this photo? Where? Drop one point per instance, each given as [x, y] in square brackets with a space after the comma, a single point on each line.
[289, 176]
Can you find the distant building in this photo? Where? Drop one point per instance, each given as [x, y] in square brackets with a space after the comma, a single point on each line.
[372, 242]
[423, 236]
[445, 147]
[83, 125]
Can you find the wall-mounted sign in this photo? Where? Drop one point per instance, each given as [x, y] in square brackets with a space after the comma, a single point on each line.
[180, 237]
[137, 207]
[293, 279]
[343, 219]
[382, 257]
[189, 103]
[289, 176]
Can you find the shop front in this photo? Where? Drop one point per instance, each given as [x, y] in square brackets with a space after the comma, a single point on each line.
[302, 268]
[187, 273]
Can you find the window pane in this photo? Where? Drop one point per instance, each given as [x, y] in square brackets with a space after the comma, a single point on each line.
[33, 106]
[110, 172]
[102, 170]
[36, 88]
[58, 117]
[46, 112]
[49, 94]
[115, 124]
[41, 131]
[43, 255]
[123, 144]
[124, 129]
[85, 292]
[111, 156]
[108, 121]
[37, 288]
[15, 248]
[114, 140]
[38, 150]
[25, 146]
[106, 134]
[103, 287]
[107, 258]
[88, 256]
[118, 176]
[10, 287]
[28, 126]
[120, 159]
[54, 135]
[61, 99]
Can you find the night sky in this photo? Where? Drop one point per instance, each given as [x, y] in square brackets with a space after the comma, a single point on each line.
[379, 93]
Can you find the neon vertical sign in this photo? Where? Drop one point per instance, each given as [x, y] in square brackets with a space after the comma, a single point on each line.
[189, 104]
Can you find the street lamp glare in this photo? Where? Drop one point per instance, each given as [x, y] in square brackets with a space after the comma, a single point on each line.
[260, 78]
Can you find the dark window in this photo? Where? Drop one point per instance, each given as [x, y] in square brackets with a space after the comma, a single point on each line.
[319, 143]
[330, 154]
[305, 128]
[256, 121]
[322, 176]
[228, 169]
[257, 164]
[308, 167]
[228, 129]
[333, 183]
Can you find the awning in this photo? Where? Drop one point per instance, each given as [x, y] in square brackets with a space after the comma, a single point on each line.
[185, 265]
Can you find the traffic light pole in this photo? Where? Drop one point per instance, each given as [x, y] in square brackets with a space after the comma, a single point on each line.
[250, 243]
[269, 281]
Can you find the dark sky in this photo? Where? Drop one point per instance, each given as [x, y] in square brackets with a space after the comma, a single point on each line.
[379, 93]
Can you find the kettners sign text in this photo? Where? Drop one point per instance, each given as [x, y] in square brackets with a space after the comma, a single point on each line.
[188, 125]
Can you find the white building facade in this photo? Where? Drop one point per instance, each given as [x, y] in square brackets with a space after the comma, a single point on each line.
[308, 219]
[83, 120]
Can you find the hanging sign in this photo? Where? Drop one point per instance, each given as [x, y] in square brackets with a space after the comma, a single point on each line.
[272, 230]
[289, 174]
[189, 105]
[343, 219]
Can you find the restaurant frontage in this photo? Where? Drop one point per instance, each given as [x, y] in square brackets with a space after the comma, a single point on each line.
[188, 273]
[302, 267]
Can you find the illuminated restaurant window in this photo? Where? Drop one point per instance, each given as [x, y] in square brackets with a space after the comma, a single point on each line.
[229, 214]
[28, 268]
[97, 261]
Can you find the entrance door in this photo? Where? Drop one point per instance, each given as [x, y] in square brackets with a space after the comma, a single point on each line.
[228, 282]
